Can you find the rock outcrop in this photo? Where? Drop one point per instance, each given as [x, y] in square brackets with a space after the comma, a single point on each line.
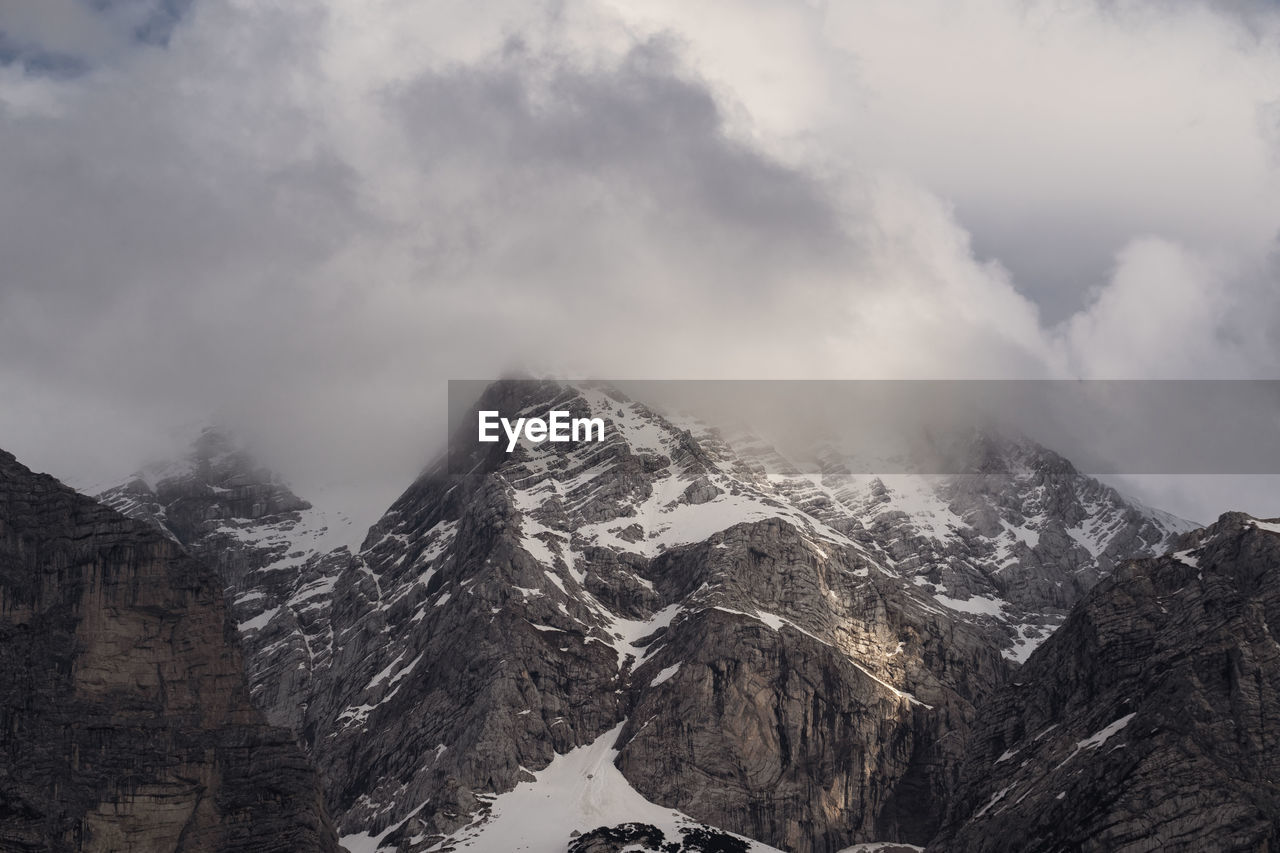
[1011, 542]
[278, 557]
[1149, 721]
[125, 719]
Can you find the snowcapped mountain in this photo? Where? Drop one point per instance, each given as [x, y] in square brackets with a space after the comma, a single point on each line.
[793, 657]
[496, 620]
[278, 556]
[789, 657]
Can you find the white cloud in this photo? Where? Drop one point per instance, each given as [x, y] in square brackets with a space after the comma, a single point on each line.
[1164, 313]
[1059, 131]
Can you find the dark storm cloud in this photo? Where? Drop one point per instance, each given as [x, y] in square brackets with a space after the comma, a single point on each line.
[66, 38]
[639, 124]
[158, 22]
[36, 60]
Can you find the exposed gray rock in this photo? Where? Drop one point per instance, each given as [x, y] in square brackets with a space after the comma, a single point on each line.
[277, 554]
[1012, 544]
[777, 680]
[1149, 720]
[125, 720]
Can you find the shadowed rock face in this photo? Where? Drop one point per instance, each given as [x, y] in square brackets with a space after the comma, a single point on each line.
[1149, 721]
[277, 555]
[125, 721]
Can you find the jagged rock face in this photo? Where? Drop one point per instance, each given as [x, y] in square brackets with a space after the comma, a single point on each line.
[804, 699]
[775, 679]
[277, 556]
[125, 720]
[1149, 720]
[1012, 543]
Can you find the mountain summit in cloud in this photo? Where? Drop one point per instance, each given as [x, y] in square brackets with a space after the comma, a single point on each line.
[317, 214]
[277, 555]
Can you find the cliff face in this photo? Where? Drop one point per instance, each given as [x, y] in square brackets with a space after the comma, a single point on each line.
[125, 721]
[1149, 721]
[277, 556]
[800, 696]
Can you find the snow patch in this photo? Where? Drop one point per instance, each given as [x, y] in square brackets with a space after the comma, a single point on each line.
[664, 675]
[260, 621]
[995, 798]
[1098, 738]
[977, 605]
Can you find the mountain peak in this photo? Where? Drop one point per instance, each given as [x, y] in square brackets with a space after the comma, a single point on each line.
[667, 595]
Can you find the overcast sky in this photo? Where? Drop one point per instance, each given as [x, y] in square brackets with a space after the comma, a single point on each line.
[302, 217]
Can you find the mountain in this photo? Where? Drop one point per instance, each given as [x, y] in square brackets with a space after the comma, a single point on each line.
[749, 665]
[791, 658]
[278, 557]
[731, 642]
[1149, 720]
[125, 719]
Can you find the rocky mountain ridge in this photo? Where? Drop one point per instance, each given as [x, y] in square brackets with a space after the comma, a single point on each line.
[125, 719]
[1149, 720]
[768, 677]
[790, 656]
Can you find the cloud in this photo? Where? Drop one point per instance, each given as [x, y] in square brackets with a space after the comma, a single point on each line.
[1058, 131]
[303, 218]
[1166, 310]
[69, 37]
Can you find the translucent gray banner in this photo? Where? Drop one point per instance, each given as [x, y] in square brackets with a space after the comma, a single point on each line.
[1180, 427]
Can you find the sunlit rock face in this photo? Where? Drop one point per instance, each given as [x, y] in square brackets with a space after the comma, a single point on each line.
[127, 719]
[1148, 720]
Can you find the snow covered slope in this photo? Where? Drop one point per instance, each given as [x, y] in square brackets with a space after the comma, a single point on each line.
[579, 796]
[1014, 542]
